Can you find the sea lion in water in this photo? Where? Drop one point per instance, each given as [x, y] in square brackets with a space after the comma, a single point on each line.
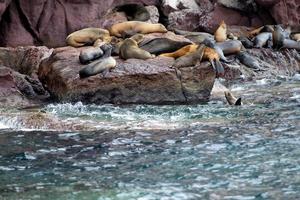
[134, 27]
[214, 58]
[87, 36]
[220, 34]
[163, 45]
[190, 59]
[134, 12]
[262, 39]
[232, 100]
[278, 36]
[248, 61]
[182, 51]
[130, 49]
[103, 65]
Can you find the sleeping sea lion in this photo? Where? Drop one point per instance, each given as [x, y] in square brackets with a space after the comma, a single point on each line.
[290, 44]
[262, 39]
[102, 65]
[130, 49]
[134, 27]
[182, 51]
[116, 47]
[163, 45]
[90, 54]
[190, 59]
[87, 36]
[134, 12]
[230, 46]
[248, 61]
[185, 33]
[214, 58]
[232, 100]
[220, 34]
[245, 41]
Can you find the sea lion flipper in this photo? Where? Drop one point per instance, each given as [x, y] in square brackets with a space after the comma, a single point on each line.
[217, 65]
[238, 102]
[105, 72]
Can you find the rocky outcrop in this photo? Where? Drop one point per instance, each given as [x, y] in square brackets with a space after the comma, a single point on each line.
[19, 84]
[36, 22]
[151, 81]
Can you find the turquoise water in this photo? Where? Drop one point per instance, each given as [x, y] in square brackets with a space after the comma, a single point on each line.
[211, 151]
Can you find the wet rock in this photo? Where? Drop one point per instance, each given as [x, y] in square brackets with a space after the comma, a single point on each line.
[18, 90]
[132, 81]
[272, 63]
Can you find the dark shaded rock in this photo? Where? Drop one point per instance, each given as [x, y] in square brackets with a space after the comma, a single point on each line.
[18, 90]
[133, 81]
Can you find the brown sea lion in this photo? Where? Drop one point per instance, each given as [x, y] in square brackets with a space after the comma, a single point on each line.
[182, 51]
[220, 34]
[116, 47]
[212, 44]
[190, 59]
[130, 49]
[87, 36]
[296, 37]
[214, 58]
[134, 12]
[134, 27]
[232, 100]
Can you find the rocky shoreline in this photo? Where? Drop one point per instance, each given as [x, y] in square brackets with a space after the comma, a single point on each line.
[37, 67]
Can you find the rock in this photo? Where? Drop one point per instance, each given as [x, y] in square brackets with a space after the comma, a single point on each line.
[244, 6]
[154, 14]
[24, 60]
[18, 90]
[132, 81]
[168, 6]
[275, 63]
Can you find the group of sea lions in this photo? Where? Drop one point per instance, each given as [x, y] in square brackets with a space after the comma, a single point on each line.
[126, 39]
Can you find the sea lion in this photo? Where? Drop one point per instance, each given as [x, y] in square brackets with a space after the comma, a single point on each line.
[99, 66]
[232, 100]
[262, 29]
[98, 43]
[134, 12]
[182, 51]
[130, 49]
[198, 39]
[214, 58]
[262, 39]
[296, 37]
[90, 54]
[136, 27]
[87, 36]
[103, 65]
[278, 36]
[212, 44]
[245, 41]
[248, 61]
[190, 59]
[230, 46]
[163, 45]
[185, 33]
[220, 34]
[290, 44]
[116, 47]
